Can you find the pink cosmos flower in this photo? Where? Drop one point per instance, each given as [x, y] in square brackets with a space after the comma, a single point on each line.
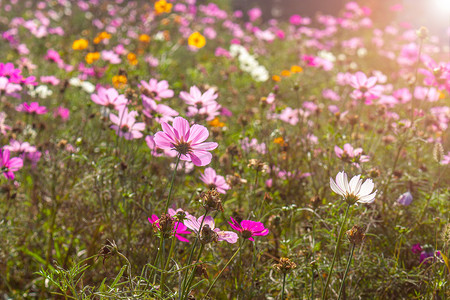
[111, 57]
[194, 224]
[196, 98]
[248, 144]
[249, 229]
[159, 112]
[187, 141]
[20, 148]
[351, 154]
[149, 140]
[295, 20]
[62, 112]
[156, 90]
[32, 108]
[109, 98]
[446, 159]
[354, 191]
[125, 124]
[7, 87]
[365, 88]
[9, 165]
[215, 181]
[3, 126]
[179, 228]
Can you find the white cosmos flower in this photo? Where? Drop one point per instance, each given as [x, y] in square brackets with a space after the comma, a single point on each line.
[355, 190]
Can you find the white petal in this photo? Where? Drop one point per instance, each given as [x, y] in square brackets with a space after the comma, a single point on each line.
[354, 184]
[368, 199]
[366, 188]
[336, 188]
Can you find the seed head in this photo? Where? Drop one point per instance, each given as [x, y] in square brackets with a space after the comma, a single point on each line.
[356, 235]
[285, 265]
[211, 200]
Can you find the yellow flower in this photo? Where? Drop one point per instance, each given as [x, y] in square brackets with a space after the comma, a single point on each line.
[196, 40]
[276, 78]
[92, 56]
[285, 73]
[441, 95]
[144, 38]
[162, 6]
[80, 44]
[119, 81]
[97, 40]
[296, 69]
[216, 123]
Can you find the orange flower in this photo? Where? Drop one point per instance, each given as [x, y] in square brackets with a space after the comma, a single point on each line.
[102, 36]
[92, 56]
[285, 73]
[216, 123]
[279, 140]
[162, 6]
[144, 38]
[132, 58]
[296, 69]
[276, 78]
[196, 40]
[80, 44]
[119, 81]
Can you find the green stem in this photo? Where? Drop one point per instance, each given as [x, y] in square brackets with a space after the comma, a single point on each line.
[191, 276]
[191, 254]
[336, 250]
[284, 284]
[221, 271]
[341, 290]
[171, 184]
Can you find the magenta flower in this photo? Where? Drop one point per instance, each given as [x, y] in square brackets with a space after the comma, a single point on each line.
[156, 90]
[109, 98]
[159, 112]
[32, 108]
[194, 224]
[249, 229]
[179, 228]
[62, 112]
[214, 181]
[416, 248]
[9, 165]
[187, 141]
[125, 124]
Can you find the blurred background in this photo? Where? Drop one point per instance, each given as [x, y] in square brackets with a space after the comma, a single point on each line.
[433, 14]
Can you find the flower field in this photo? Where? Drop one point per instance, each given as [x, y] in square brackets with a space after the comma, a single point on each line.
[183, 150]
